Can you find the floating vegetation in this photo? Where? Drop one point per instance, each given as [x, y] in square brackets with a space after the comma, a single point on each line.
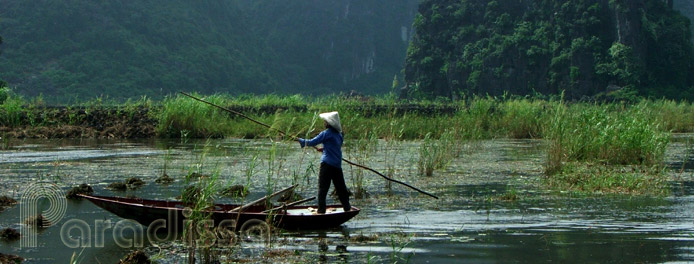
[136, 257]
[361, 238]
[9, 234]
[509, 196]
[278, 253]
[6, 258]
[602, 179]
[235, 191]
[129, 184]
[134, 183]
[82, 189]
[7, 201]
[37, 221]
[117, 186]
[164, 179]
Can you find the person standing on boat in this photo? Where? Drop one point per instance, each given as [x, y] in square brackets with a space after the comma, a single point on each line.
[331, 161]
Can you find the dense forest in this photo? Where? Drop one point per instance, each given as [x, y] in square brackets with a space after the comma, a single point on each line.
[583, 47]
[686, 7]
[78, 49]
[68, 50]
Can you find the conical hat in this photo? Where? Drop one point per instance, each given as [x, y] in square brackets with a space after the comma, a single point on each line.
[333, 120]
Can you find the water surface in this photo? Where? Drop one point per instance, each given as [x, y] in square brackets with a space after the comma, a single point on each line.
[468, 224]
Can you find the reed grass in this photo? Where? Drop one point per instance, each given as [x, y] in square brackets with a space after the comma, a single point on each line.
[473, 118]
[612, 134]
[12, 111]
[436, 154]
[676, 117]
[606, 148]
[360, 151]
[624, 135]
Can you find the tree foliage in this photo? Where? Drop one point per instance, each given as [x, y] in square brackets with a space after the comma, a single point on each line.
[76, 49]
[527, 46]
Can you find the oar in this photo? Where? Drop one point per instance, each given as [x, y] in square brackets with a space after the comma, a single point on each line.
[290, 204]
[262, 199]
[296, 138]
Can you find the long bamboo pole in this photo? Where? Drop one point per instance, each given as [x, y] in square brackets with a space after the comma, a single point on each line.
[296, 138]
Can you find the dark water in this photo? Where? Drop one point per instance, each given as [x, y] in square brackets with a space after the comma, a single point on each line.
[469, 224]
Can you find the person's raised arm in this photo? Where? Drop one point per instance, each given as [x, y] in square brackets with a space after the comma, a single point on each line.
[314, 141]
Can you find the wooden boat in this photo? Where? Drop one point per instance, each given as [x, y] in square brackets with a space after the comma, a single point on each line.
[289, 216]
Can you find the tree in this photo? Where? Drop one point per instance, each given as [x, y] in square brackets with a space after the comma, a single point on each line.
[524, 47]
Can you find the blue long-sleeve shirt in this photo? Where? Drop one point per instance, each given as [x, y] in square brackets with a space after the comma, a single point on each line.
[332, 146]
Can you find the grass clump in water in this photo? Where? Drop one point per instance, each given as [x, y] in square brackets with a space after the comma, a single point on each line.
[606, 149]
[603, 179]
[9, 234]
[436, 154]
[7, 201]
[82, 189]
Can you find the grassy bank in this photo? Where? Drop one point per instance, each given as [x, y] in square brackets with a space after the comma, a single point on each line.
[381, 117]
[592, 147]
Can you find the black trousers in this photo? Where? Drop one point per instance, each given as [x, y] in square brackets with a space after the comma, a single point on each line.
[325, 176]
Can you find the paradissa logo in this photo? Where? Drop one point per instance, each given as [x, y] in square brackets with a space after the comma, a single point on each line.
[34, 195]
[202, 233]
[126, 233]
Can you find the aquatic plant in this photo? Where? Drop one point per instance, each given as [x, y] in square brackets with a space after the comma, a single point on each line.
[602, 179]
[117, 186]
[37, 221]
[164, 178]
[398, 242]
[7, 201]
[627, 135]
[250, 169]
[611, 138]
[7, 258]
[676, 117]
[520, 118]
[360, 151]
[136, 257]
[9, 234]
[81, 189]
[511, 195]
[435, 154]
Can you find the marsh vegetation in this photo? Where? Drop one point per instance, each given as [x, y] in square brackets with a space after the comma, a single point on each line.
[591, 146]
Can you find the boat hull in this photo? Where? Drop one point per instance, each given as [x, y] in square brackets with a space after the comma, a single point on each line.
[172, 214]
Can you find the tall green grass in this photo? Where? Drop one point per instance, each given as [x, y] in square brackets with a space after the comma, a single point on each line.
[183, 117]
[621, 135]
[12, 111]
[471, 118]
[677, 117]
[606, 148]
